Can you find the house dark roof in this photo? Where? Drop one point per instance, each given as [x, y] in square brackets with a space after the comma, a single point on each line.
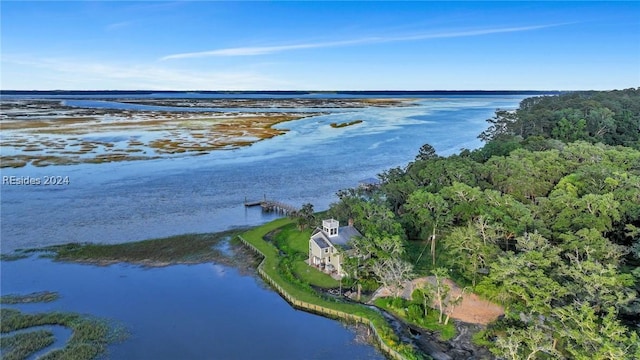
[345, 233]
[320, 241]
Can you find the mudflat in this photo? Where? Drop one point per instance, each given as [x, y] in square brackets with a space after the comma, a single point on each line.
[43, 133]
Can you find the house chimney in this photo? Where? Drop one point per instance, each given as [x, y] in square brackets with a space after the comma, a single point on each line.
[351, 222]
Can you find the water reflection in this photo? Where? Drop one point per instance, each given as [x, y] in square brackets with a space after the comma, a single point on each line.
[206, 311]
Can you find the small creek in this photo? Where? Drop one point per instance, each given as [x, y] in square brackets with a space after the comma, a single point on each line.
[460, 347]
[62, 334]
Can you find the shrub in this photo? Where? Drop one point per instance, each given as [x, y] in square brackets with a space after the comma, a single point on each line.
[415, 312]
[398, 303]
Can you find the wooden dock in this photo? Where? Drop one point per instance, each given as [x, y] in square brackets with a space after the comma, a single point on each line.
[272, 205]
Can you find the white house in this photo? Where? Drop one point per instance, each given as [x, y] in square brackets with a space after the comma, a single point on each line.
[328, 246]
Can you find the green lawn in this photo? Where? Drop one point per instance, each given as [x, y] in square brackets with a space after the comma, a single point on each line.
[313, 276]
[293, 241]
[270, 266]
[295, 244]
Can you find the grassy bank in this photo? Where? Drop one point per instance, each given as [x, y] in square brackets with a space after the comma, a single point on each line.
[272, 267]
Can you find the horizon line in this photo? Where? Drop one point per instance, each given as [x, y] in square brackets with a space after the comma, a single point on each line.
[285, 90]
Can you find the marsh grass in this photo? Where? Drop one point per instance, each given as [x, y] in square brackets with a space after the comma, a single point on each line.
[32, 148]
[345, 124]
[55, 141]
[388, 102]
[90, 336]
[46, 160]
[23, 124]
[261, 103]
[13, 257]
[22, 345]
[89, 339]
[181, 249]
[13, 161]
[37, 297]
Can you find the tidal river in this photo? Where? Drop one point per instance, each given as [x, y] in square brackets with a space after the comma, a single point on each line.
[208, 310]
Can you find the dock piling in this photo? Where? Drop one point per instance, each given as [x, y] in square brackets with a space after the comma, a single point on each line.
[271, 205]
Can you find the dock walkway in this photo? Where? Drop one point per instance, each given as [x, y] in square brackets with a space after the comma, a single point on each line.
[272, 205]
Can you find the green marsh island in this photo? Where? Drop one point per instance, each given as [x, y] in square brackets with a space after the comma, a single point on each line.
[25, 334]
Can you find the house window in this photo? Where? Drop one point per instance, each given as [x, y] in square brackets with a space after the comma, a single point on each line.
[326, 251]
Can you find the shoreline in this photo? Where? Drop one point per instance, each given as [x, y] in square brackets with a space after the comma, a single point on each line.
[245, 261]
[226, 251]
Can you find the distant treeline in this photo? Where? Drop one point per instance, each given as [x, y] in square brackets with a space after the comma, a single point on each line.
[277, 92]
[608, 117]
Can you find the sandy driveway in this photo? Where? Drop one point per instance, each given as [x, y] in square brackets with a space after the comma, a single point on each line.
[472, 309]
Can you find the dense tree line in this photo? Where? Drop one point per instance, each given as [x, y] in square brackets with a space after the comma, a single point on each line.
[608, 117]
[544, 219]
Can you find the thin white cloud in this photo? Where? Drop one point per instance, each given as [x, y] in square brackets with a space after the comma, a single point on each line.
[118, 25]
[264, 50]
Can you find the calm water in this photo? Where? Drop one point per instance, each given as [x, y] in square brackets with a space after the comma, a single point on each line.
[203, 311]
[127, 201]
[209, 311]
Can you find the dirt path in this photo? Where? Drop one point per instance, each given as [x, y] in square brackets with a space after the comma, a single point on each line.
[472, 309]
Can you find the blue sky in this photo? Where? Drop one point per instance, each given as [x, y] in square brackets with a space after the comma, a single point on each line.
[420, 45]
